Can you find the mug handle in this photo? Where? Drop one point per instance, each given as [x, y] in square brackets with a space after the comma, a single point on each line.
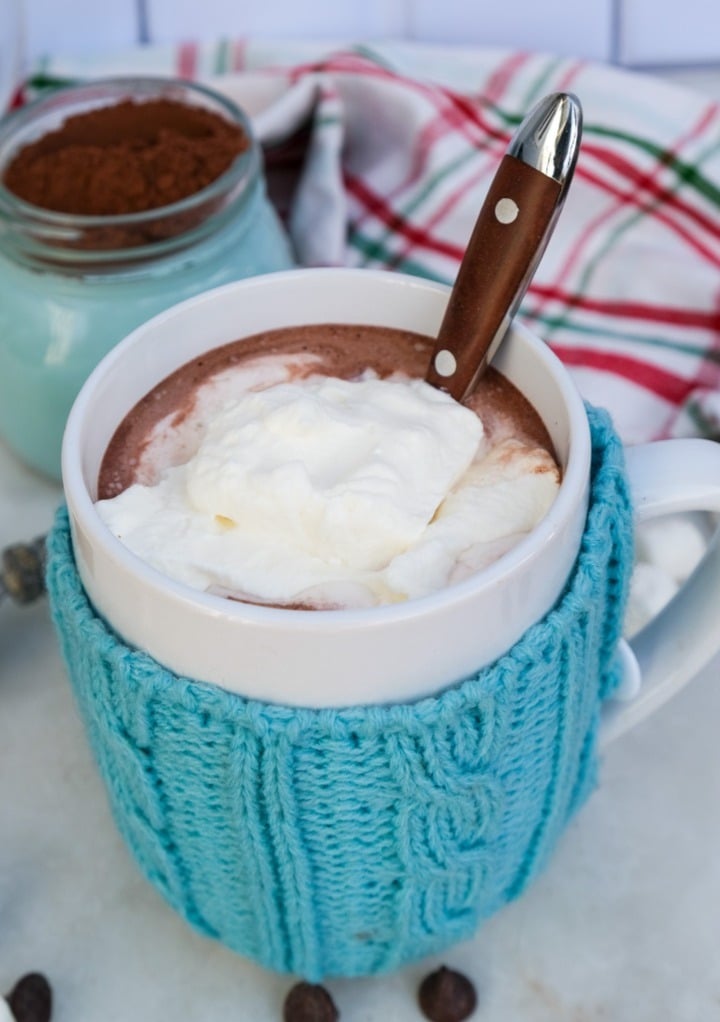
[667, 477]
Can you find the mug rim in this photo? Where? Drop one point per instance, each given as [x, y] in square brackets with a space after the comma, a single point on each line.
[82, 506]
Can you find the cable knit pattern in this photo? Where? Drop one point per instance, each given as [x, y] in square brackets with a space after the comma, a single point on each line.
[347, 842]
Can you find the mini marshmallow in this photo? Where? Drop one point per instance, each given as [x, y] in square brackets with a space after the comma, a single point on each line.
[675, 544]
[650, 589]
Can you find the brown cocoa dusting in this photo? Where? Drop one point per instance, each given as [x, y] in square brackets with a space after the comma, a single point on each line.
[127, 158]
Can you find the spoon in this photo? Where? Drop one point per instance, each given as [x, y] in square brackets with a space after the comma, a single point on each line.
[511, 233]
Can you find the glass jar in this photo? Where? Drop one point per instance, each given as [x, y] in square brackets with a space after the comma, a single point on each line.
[72, 286]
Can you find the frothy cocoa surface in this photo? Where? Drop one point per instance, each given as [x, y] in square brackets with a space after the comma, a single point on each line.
[341, 350]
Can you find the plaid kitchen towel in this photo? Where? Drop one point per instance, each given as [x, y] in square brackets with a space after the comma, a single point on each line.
[383, 155]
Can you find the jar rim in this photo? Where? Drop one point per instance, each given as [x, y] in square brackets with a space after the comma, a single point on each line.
[239, 175]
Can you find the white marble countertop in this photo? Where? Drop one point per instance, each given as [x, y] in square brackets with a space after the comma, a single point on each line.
[623, 926]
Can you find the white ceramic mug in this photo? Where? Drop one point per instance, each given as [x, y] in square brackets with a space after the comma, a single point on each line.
[392, 653]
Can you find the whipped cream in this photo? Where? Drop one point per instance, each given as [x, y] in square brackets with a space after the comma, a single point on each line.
[328, 492]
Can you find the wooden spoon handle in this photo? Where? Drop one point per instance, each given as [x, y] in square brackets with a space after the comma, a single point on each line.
[507, 242]
[503, 252]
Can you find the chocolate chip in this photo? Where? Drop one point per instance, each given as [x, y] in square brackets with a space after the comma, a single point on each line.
[309, 1002]
[22, 571]
[30, 999]
[447, 996]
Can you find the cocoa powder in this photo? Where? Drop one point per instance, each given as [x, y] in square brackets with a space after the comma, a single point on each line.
[127, 158]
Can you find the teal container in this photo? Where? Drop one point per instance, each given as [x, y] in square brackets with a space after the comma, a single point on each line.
[71, 287]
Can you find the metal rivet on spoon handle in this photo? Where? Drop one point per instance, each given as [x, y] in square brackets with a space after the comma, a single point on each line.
[511, 233]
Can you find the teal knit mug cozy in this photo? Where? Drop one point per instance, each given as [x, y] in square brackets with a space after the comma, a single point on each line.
[350, 841]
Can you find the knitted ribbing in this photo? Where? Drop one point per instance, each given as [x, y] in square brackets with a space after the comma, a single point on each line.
[346, 842]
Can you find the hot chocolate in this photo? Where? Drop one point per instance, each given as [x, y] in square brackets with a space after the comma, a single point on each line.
[312, 467]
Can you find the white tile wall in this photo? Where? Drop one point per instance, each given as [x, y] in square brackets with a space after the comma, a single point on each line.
[78, 26]
[321, 19]
[10, 55]
[682, 32]
[635, 32]
[567, 27]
